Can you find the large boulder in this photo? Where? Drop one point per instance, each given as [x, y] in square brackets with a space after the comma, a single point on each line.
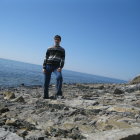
[136, 80]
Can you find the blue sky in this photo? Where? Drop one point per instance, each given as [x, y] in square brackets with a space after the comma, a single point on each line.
[100, 37]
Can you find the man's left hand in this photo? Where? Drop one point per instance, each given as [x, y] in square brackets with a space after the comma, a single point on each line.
[59, 69]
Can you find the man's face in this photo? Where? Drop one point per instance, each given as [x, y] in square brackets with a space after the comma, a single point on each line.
[57, 40]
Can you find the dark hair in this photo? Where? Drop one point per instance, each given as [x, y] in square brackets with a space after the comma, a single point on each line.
[57, 36]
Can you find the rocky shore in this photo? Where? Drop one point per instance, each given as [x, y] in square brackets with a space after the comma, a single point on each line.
[88, 111]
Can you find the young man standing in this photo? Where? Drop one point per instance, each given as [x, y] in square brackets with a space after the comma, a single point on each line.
[54, 62]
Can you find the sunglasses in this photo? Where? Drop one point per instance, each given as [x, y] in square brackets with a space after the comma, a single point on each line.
[56, 39]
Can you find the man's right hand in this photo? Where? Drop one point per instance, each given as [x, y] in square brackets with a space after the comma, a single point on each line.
[44, 70]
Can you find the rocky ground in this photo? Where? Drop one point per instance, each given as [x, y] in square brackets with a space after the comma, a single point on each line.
[88, 111]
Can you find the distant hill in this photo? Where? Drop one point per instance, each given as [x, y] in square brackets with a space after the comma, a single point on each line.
[136, 80]
[15, 73]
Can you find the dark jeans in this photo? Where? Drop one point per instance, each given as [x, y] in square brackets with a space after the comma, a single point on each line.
[59, 79]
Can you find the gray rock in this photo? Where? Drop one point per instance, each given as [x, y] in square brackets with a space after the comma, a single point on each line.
[3, 108]
[35, 135]
[73, 133]
[118, 91]
[7, 135]
[118, 134]
[19, 99]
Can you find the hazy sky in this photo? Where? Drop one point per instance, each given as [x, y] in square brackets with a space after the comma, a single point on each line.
[100, 37]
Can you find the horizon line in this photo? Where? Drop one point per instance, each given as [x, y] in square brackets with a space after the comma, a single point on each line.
[68, 70]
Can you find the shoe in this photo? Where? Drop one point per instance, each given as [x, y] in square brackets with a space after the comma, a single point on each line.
[46, 98]
[52, 97]
[60, 97]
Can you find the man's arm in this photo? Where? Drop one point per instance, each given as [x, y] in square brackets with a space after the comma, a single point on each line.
[62, 60]
[45, 60]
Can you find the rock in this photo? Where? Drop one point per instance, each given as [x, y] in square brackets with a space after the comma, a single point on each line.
[20, 124]
[118, 91]
[136, 80]
[7, 135]
[99, 87]
[2, 121]
[11, 121]
[31, 121]
[132, 88]
[93, 122]
[95, 103]
[3, 108]
[37, 135]
[82, 86]
[95, 109]
[124, 109]
[87, 111]
[117, 134]
[22, 132]
[109, 124]
[68, 125]
[19, 99]
[90, 96]
[52, 104]
[73, 133]
[137, 116]
[137, 103]
[9, 95]
[85, 128]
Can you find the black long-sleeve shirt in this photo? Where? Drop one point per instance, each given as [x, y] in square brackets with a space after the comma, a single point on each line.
[55, 56]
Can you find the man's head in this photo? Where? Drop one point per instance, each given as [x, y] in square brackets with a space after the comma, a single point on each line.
[57, 39]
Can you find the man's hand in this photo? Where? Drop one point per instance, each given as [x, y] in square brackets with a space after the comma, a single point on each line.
[44, 70]
[59, 69]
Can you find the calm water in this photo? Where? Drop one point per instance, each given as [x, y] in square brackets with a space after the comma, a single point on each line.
[13, 73]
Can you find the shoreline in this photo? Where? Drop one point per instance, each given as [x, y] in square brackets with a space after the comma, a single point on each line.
[74, 83]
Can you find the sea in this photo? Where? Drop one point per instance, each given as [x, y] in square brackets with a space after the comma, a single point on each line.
[15, 73]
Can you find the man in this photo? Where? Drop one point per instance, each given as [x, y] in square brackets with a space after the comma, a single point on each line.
[54, 62]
